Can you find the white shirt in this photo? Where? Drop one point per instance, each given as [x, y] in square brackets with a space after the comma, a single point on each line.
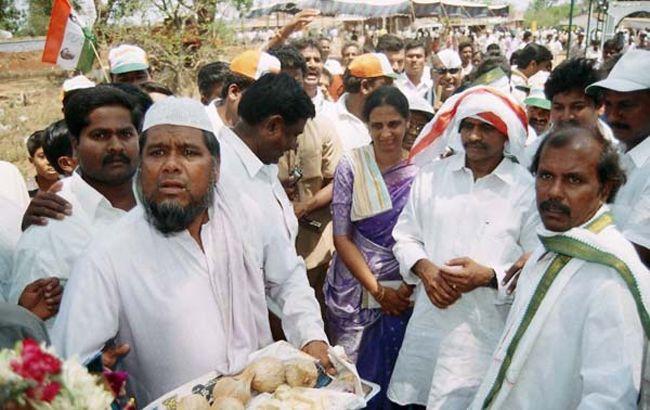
[51, 250]
[422, 90]
[10, 232]
[448, 214]
[271, 228]
[351, 130]
[587, 355]
[213, 116]
[632, 203]
[465, 71]
[167, 298]
[322, 105]
[333, 67]
[13, 185]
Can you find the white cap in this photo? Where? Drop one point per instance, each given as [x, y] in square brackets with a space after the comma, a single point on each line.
[417, 103]
[127, 58]
[181, 111]
[77, 83]
[630, 73]
[450, 58]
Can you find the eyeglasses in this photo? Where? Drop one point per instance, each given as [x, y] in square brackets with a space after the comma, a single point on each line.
[443, 71]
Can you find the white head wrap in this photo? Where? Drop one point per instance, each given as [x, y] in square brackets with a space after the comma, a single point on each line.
[177, 111]
[485, 103]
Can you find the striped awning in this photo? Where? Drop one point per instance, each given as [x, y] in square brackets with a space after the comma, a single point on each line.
[382, 8]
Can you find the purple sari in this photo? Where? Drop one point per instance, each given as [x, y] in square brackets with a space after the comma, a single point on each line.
[370, 338]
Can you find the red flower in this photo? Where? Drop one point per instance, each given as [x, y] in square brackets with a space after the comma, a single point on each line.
[116, 381]
[45, 393]
[35, 364]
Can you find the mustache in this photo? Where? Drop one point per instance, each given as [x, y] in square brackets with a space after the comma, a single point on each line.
[116, 157]
[479, 145]
[619, 125]
[553, 205]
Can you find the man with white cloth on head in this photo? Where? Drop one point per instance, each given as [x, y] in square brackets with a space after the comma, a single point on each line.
[173, 279]
[576, 333]
[468, 218]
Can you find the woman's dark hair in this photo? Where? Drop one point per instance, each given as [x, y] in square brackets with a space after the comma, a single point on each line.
[386, 95]
[573, 74]
[35, 141]
[57, 144]
[275, 94]
[85, 101]
[609, 167]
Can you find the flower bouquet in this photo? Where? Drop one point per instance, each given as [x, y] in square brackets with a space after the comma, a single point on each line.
[33, 377]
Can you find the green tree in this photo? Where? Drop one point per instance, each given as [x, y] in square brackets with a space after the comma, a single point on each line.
[10, 16]
[38, 17]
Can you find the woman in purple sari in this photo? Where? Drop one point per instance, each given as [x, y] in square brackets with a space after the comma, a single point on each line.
[368, 305]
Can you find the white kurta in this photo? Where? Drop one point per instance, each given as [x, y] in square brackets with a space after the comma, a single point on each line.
[13, 185]
[632, 205]
[167, 299]
[422, 90]
[51, 250]
[492, 220]
[11, 216]
[351, 130]
[271, 228]
[589, 349]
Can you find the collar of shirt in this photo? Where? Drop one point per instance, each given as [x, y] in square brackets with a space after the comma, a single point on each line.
[425, 82]
[503, 171]
[342, 110]
[89, 199]
[250, 161]
[640, 154]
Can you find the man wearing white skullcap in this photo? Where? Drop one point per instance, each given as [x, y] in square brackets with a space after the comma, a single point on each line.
[447, 73]
[174, 279]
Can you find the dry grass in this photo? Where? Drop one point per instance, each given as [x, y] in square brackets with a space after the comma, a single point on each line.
[26, 105]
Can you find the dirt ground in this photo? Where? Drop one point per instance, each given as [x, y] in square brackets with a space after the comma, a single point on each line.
[29, 101]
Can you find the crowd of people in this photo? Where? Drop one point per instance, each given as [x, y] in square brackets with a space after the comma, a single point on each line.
[468, 221]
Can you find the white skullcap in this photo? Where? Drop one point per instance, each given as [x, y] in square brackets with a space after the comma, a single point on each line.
[181, 111]
[77, 83]
[417, 103]
[450, 58]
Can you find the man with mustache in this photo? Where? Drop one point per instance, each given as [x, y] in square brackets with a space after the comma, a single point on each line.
[626, 93]
[175, 279]
[313, 56]
[104, 125]
[468, 218]
[581, 307]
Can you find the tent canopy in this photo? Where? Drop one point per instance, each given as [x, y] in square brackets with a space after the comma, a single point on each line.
[383, 8]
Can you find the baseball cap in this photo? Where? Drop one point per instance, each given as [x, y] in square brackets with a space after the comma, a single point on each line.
[254, 64]
[417, 103]
[536, 98]
[630, 73]
[371, 65]
[127, 58]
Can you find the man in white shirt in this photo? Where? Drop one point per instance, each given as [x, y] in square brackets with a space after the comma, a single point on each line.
[627, 109]
[365, 74]
[174, 279]
[466, 51]
[104, 126]
[416, 79]
[273, 112]
[581, 304]
[244, 69]
[469, 217]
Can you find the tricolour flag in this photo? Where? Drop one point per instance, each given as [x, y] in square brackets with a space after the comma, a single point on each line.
[68, 44]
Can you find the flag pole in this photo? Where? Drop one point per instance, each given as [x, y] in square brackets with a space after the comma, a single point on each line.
[99, 60]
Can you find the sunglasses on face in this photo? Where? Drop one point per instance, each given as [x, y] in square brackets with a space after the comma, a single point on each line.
[443, 71]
